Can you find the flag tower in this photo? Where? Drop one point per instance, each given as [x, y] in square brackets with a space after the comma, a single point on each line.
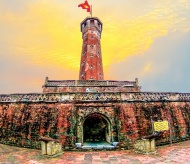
[91, 67]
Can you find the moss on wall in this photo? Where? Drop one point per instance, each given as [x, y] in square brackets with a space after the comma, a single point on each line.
[21, 124]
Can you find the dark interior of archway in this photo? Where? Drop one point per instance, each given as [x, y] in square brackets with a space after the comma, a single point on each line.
[95, 128]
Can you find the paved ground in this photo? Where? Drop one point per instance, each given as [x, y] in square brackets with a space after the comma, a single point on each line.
[176, 154]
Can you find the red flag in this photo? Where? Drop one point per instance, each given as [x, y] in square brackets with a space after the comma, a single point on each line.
[85, 5]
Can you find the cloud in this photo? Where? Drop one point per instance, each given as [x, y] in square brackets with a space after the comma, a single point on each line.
[48, 37]
[164, 67]
[135, 36]
[46, 34]
[147, 67]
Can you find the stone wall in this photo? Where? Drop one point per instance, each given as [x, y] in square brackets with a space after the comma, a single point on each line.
[21, 124]
[63, 89]
[77, 86]
[136, 121]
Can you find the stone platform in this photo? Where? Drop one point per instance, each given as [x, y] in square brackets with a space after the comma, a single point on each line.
[97, 145]
[178, 153]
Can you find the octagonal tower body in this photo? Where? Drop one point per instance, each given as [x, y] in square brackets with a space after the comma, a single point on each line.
[91, 67]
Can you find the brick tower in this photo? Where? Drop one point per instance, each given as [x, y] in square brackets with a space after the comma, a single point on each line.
[91, 67]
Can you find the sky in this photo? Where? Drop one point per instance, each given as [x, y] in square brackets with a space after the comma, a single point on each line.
[144, 39]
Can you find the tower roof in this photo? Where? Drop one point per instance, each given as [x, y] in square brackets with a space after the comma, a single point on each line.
[89, 18]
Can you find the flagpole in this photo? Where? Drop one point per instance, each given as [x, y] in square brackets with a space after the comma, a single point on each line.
[91, 11]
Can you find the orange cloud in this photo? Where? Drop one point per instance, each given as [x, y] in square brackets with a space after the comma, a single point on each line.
[47, 35]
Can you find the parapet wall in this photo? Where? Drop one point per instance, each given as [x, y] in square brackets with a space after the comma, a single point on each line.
[26, 117]
[136, 121]
[23, 123]
[62, 86]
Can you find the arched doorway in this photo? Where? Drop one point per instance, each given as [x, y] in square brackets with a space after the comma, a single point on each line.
[96, 127]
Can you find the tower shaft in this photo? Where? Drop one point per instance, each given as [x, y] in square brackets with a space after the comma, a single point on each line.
[91, 67]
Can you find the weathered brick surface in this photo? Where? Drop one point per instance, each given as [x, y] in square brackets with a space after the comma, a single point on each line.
[22, 124]
[91, 58]
[128, 130]
[139, 116]
[62, 89]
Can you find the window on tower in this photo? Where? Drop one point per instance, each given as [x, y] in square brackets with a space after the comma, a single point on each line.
[99, 64]
[91, 22]
[98, 53]
[82, 76]
[100, 75]
[84, 45]
[91, 66]
[91, 55]
[99, 25]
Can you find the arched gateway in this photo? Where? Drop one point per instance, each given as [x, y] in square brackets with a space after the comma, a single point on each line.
[96, 124]
[96, 127]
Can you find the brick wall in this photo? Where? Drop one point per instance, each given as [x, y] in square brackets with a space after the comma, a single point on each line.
[21, 124]
[136, 121]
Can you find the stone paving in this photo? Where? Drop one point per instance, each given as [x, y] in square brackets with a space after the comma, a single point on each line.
[178, 153]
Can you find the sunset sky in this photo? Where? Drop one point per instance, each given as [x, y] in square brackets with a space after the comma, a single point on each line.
[147, 39]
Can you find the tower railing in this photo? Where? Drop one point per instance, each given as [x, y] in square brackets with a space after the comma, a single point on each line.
[52, 83]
